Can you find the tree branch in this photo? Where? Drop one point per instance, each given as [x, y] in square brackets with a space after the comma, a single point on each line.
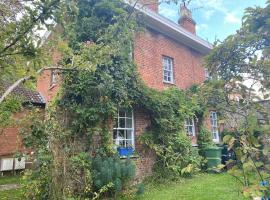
[11, 88]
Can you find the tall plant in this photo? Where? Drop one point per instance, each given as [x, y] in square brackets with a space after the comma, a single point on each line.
[240, 69]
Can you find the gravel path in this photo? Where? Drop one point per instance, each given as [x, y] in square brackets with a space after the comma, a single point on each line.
[9, 187]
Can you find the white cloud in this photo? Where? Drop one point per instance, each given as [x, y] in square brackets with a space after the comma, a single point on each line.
[202, 27]
[168, 12]
[231, 18]
[210, 5]
[208, 13]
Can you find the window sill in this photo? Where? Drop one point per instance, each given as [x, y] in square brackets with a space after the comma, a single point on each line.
[168, 83]
[131, 156]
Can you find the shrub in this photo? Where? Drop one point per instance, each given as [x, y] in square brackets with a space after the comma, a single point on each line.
[204, 140]
[112, 170]
[176, 156]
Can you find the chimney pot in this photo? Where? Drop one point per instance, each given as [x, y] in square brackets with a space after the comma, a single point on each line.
[186, 20]
[151, 4]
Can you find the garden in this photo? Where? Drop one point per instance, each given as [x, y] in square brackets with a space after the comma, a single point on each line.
[201, 187]
[74, 156]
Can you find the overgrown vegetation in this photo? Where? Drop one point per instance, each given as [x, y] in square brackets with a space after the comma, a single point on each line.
[241, 57]
[101, 79]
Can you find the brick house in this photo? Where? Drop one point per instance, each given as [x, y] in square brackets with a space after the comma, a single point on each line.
[10, 141]
[166, 54]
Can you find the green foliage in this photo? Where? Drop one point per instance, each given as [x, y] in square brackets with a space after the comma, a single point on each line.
[141, 189]
[102, 79]
[7, 109]
[20, 45]
[112, 170]
[38, 181]
[175, 154]
[232, 62]
[204, 140]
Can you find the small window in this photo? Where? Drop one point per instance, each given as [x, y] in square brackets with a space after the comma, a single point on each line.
[123, 130]
[214, 126]
[53, 77]
[207, 74]
[167, 64]
[190, 127]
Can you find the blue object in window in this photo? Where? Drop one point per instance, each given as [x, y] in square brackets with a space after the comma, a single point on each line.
[125, 151]
[265, 184]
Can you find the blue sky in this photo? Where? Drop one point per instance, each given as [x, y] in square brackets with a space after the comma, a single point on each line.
[214, 18]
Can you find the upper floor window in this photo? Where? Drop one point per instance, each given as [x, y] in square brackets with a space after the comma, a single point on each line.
[123, 130]
[214, 126]
[167, 63]
[53, 77]
[190, 127]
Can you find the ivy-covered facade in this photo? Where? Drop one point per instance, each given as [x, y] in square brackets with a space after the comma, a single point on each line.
[166, 55]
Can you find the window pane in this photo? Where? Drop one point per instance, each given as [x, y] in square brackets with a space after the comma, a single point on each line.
[121, 143]
[128, 123]
[166, 73]
[121, 134]
[128, 143]
[129, 114]
[114, 134]
[121, 113]
[129, 134]
[122, 123]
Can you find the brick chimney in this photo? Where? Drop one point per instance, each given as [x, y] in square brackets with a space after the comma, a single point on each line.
[151, 4]
[186, 20]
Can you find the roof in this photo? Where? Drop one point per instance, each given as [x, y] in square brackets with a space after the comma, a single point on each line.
[175, 31]
[29, 96]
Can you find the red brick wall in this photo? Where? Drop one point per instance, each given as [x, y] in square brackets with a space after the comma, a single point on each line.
[148, 51]
[151, 4]
[10, 141]
[146, 160]
[44, 86]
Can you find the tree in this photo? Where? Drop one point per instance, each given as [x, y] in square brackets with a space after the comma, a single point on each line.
[21, 54]
[240, 69]
[19, 41]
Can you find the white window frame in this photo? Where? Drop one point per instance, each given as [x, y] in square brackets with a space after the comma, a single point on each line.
[53, 77]
[207, 74]
[168, 67]
[190, 123]
[118, 128]
[214, 126]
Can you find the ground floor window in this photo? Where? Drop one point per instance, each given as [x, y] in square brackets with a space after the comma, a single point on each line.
[190, 127]
[123, 131]
[214, 126]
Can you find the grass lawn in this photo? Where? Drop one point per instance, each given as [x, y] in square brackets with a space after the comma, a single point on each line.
[11, 194]
[9, 179]
[14, 194]
[200, 187]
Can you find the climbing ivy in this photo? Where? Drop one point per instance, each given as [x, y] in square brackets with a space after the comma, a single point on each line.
[102, 78]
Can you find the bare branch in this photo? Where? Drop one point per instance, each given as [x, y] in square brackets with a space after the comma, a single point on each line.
[11, 88]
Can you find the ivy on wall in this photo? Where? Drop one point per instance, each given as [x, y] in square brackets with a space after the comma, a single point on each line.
[101, 79]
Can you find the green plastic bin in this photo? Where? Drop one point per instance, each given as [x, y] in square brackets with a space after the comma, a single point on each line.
[213, 156]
